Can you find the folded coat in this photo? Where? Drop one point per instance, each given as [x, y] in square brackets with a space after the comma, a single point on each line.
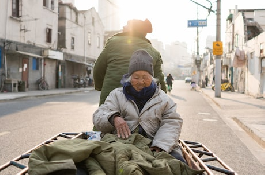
[110, 156]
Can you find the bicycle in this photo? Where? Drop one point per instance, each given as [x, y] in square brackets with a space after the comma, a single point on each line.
[42, 84]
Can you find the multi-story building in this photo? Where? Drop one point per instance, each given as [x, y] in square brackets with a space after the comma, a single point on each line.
[244, 47]
[81, 38]
[35, 43]
[177, 60]
[109, 13]
[29, 28]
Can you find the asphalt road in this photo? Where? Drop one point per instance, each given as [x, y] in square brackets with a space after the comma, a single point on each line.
[205, 123]
[27, 122]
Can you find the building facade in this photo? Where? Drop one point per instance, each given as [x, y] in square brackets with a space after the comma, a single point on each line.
[243, 55]
[47, 39]
[25, 34]
[81, 38]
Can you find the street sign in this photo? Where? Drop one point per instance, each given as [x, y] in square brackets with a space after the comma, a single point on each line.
[217, 48]
[197, 23]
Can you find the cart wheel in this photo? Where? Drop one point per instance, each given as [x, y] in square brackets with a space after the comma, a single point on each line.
[213, 88]
[227, 89]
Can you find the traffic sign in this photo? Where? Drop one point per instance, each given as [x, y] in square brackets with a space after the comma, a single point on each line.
[217, 48]
[197, 23]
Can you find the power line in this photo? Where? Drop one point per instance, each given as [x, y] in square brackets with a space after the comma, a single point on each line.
[209, 9]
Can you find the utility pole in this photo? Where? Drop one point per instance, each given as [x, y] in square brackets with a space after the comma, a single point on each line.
[218, 57]
[198, 55]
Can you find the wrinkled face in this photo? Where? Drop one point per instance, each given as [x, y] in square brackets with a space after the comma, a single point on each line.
[140, 80]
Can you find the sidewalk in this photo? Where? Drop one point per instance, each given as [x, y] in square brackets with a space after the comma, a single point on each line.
[5, 96]
[247, 111]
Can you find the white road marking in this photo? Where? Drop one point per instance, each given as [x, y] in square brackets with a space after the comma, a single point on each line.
[209, 120]
[201, 113]
[4, 133]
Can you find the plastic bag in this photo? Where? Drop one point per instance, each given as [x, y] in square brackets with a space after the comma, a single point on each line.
[93, 135]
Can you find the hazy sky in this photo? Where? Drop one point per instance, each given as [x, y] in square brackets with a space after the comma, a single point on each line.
[170, 17]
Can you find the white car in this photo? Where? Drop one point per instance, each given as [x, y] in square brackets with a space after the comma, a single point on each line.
[187, 79]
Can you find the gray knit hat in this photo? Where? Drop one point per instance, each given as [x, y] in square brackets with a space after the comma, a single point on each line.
[141, 60]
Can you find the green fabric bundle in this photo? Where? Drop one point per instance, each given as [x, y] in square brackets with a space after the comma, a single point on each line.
[110, 156]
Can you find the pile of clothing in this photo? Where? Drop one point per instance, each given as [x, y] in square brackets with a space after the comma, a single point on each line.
[110, 156]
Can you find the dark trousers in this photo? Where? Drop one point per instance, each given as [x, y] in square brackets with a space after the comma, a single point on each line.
[178, 156]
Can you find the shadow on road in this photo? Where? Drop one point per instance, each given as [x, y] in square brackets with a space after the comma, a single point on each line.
[178, 97]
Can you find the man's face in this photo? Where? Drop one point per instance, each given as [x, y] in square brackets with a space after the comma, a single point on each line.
[140, 80]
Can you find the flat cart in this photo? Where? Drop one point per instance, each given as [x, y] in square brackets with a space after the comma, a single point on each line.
[196, 154]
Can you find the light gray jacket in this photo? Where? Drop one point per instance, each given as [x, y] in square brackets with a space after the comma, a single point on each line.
[158, 118]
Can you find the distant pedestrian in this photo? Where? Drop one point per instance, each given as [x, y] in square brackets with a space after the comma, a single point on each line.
[206, 81]
[169, 81]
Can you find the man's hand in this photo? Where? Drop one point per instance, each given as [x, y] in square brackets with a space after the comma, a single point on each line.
[122, 128]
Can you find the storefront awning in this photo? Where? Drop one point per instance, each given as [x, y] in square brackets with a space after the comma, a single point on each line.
[76, 61]
[29, 54]
[53, 54]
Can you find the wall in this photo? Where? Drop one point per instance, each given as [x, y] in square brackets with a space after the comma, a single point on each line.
[254, 78]
[73, 69]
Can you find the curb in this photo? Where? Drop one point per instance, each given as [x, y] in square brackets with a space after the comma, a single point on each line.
[247, 129]
[42, 95]
[211, 99]
[250, 132]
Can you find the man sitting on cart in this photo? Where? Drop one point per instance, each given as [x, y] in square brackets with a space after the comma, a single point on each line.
[140, 106]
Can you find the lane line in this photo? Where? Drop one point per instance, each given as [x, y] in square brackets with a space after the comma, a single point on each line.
[201, 113]
[4, 133]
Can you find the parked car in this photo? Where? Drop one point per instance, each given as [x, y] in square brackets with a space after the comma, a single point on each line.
[187, 79]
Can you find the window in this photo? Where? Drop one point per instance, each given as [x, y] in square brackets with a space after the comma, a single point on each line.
[98, 41]
[76, 17]
[45, 3]
[236, 40]
[52, 4]
[73, 43]
[251, 63]
[93, 21]
[89, 38]
[229, 47]
[48, 35]
[261, 49]
[35, 63]
[16, 8]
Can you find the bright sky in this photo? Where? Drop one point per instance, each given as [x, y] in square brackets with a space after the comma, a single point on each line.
[170, 17]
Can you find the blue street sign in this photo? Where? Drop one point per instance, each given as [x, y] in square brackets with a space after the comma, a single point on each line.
[197, 23]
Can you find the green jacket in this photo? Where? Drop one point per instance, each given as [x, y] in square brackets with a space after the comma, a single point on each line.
[113, 62]
[110, 156]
